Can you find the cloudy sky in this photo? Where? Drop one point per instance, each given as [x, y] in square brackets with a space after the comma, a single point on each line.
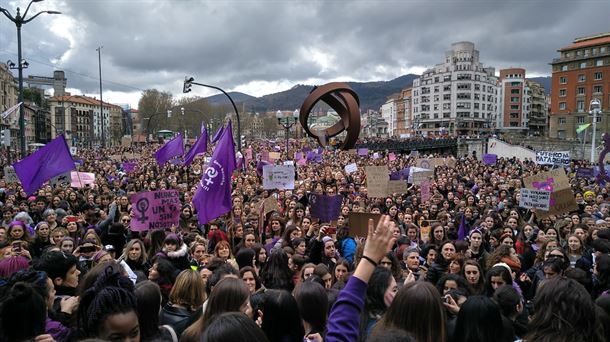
[264, 46]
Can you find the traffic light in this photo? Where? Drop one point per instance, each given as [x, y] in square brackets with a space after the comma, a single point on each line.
[5, 137]
[188, 83]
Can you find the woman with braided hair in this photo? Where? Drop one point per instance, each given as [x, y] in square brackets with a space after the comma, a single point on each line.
[108, 309]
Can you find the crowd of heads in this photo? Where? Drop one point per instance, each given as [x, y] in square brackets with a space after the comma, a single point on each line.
[71, 267]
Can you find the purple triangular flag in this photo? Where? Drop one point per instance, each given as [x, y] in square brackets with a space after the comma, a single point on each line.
[49, 161]
[200, 146]
[218, 134]
[169, 150]
[213, 195]
[463, 229]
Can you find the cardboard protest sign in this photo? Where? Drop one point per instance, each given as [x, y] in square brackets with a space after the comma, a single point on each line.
[359, 223]
[326, 208]
[424, 164]
[437, 161]
[9, 175]
[561, 199]
[155, 210]
[126, 141]
[425, 191]
[450, 162]
[352, 152]
[561, 158]
[350, 168]
[269, 205]
[82, 179]
[535, 199]
[376, 155]
[418, 177]
[73, 150]
[377, 180]
[274, 155]
[115, 157]
[414, 154]
[279, 177]
[397, 187]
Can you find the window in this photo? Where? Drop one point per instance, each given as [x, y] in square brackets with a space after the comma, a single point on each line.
[446, 96]
[599, 62]
[514, 99]
[598, 119]
[580, 91]
[563, 80]
[580, 119]
[515, 91]
[562, 92]
[515, 84]
[564, 67]
[597, 76]
[580, 106]
[514, 115]
[561, 120]
[562, 105]
[514, 124]
[581, 78]
[597, 89]
[514, 107]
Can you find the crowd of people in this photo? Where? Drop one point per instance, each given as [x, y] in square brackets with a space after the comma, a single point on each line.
[72, 269]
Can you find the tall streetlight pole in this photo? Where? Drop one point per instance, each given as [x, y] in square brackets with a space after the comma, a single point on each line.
[19, 21]
[286, 122]
[189, 81]
[99, 59]
[595, 107]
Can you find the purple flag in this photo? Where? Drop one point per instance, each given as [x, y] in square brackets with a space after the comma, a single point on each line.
[218, 134]
[363, 151]
[51, 160]
[326, 208]
[200, 146]
[463, 230]
[314, 157]
[259, 167]
[169, 150]
[129, 167]
[400, 175]
[213, 195]
[490, 159]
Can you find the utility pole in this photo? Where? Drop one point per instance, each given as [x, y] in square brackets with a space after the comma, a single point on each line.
[99, 57]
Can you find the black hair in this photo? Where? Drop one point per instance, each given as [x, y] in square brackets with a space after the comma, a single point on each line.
[281, 317]
[23, 313]
[276, 274]
[497, 271]
[244, 257]
[148, 295]
[374, 304]
[477, 309]
[313, 305]
[602, 265]
[507, 298]
[111, 294]
[217, 274]
[233, 326]
[462, 284]
[56, 264]
[391, 335]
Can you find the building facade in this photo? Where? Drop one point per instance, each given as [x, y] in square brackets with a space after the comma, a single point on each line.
[580, 74]
[537, 122]
[78, 117]
[458, 95]
[513, 106]
[373, 125]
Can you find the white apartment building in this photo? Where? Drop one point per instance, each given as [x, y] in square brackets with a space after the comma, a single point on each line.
[458, 95]
[388, 113]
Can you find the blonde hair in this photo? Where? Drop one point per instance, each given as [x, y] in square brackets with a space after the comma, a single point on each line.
[188, 290]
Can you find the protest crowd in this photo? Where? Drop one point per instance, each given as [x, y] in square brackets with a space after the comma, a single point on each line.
[309, 244]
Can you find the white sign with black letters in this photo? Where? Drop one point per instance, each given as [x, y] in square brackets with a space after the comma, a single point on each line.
[561, 158]
[535, 199]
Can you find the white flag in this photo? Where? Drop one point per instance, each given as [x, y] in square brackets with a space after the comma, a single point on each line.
[10, 110]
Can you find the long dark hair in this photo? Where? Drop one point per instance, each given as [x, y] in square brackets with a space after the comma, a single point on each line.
[276, 274]
[148, 295]
[475, 310]
[416, 308]
[281, 317]
[374, 304]
[313, 305]
[496, 271]
[564, 311]
[23, 312]
[233, 326]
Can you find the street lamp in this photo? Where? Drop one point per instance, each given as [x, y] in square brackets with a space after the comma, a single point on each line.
[19, 21]
[189, 81]
[595, 107]
[287, 122]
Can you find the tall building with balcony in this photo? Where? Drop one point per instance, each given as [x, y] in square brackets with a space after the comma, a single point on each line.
[580, 74]
[458, 95]
[513, 103]
[388, 113]
[537, 123]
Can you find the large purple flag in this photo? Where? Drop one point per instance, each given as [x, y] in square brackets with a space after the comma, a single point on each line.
[490, 159]
[213, 195]
[200, 146]
[51, 160]
[218, 134]
[259, 167]
[324, 207]
[169, 150]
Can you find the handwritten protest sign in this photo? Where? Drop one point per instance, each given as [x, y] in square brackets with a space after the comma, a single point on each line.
[377, 180]
[535, 199]
[61, 181]
[425, 190]
[418, 177]
[278, 177]
[359, 223]
[585, 172]
[397, 187]
[82, 179]
[9, 175]
[561, 199]
[155, 210]
[424, 163]
[269, 205]
[350, 168]
[561, 158]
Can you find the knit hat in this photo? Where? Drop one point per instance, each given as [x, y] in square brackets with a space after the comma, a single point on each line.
[326, 239]
[172, 238]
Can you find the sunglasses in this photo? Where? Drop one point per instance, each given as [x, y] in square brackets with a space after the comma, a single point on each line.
[125, 220]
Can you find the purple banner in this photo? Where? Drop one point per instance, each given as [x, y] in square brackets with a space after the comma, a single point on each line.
[490, 159]
[400, 175]
[155, 210]
[326, 208]
[585, 172]
[129, 167]
[363, 151]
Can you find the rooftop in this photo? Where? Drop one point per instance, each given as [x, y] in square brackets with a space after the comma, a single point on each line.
[598, 39]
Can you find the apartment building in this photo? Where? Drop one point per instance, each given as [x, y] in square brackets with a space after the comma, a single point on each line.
[580, 74]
